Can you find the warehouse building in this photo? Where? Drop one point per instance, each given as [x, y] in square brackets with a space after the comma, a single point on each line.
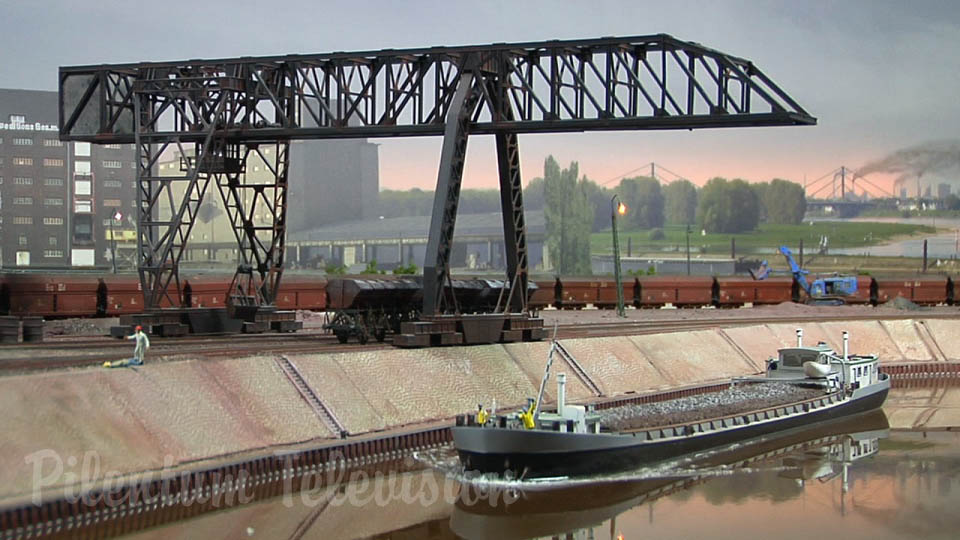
[58, 200]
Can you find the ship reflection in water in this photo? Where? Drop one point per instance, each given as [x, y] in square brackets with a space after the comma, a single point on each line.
[798, 484]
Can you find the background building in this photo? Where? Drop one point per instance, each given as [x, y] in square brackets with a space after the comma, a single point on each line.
[57, 199]
[477, 243]
[329, 182]
[332, 182]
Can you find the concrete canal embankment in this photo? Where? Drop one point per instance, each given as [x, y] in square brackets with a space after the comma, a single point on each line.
[181, 413]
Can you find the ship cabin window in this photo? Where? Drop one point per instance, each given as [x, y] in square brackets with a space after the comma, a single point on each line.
[796, 358]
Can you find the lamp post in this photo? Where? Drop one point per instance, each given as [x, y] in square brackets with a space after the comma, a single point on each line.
[617, 207]
[113, 241]
[688, 249]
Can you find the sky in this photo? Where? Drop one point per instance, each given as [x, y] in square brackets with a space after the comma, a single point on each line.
[879, 75]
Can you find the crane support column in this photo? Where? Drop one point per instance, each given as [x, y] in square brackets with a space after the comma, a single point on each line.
[438, 295]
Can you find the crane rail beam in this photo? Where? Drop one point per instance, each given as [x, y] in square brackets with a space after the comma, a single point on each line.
[630, 83]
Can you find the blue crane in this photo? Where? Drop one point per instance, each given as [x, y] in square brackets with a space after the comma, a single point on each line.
[822, 291]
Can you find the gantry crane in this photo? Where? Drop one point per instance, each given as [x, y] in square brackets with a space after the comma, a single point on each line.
[223, 111]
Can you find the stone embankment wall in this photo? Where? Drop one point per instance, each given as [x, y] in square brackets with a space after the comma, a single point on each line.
[175, 413]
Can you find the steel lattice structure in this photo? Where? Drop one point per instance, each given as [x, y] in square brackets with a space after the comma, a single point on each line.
[227, 108]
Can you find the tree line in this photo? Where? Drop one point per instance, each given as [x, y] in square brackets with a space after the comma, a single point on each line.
[574, 206]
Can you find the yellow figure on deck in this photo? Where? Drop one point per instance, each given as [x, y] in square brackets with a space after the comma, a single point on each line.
[527, 416]
[481, 415]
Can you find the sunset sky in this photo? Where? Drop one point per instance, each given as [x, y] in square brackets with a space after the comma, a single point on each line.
[879, 75]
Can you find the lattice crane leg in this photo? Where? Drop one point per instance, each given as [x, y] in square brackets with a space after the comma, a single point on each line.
[438, 295]
[257, 210]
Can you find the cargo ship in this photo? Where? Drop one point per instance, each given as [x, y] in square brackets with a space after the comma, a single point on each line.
[572, 442]
[818, 452]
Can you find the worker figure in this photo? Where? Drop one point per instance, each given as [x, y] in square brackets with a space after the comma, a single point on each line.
[139, 350]
[526, 417]
[482, 415]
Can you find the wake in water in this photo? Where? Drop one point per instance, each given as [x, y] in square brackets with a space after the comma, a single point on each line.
[700, 465]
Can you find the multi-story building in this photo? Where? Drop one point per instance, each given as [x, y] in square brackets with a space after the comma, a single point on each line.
[58, 200]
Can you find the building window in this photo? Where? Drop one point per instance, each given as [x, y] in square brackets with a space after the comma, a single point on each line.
[81, 149]
[52, 240]
[82, 207]
[22, 240]
[22, 220]
[112, 164]
[53, 253]
[52, 142]
[53, 201]
[53, 182]
[18, 119]
[22, 181]
[22, 161]
[50, 221]
[112, 202]
[82, 187]
[113, 146]
[23, 200]
[112, 183]
[52, 162]
[22, 141]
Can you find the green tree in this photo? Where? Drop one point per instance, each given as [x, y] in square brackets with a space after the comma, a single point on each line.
[599, 200]
[533, 195]
[644, 202]
[413, 202]
[727, 207]
[680, 200]
[479, 201]
[761, 190]
[951, 202]
[569, 216]
[783, 201]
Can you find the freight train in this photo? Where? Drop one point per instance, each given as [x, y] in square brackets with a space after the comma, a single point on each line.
[393, 299]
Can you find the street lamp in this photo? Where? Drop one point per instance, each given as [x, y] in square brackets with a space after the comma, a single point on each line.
[113, 241]
[688, 249]
[617, 207]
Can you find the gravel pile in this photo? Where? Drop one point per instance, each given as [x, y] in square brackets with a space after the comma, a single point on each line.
[738, 399]
[902, 304]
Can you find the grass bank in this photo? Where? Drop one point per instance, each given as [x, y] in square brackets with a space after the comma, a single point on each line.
[766, 239]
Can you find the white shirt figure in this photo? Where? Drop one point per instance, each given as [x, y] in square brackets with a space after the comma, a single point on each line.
[143, 343]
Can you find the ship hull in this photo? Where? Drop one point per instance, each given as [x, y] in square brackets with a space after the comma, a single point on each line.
[541, 453]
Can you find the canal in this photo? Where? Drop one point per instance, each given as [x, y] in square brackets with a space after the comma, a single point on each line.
[891, 474]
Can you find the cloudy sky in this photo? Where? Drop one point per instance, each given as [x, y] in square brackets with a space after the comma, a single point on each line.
[879, 75]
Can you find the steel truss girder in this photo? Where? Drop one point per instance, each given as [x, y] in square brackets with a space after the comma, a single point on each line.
[645, 82]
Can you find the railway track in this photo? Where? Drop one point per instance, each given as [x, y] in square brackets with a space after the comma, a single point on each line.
[66, 352]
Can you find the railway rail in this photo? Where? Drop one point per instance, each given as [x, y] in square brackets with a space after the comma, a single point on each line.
[65, 352]
[151, 500]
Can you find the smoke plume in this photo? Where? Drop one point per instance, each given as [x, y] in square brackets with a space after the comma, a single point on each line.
[939, 158]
